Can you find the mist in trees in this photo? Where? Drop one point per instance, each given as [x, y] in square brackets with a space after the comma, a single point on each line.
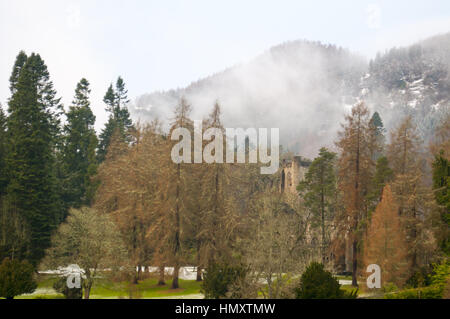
[118, 201]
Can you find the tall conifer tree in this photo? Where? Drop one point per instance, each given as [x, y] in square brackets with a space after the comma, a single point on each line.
[33, 127]
[80, 143]
[119, 117]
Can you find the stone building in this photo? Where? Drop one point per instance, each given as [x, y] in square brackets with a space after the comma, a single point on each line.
[293, 171]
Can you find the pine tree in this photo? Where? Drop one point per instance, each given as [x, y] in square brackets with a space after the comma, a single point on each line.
[3, 155]
[440, 149]
[21, 59]
[119, 117]
[318, 190]
[80, 143]
[441, 186]
[383, 175]
[33, 133]
[376, 124]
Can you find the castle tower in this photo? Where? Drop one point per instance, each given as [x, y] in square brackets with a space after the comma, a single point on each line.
[292, 172]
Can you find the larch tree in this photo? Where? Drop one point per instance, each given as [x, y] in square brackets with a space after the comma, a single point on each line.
[218, 216]
[386, 242]
[355, 166]
[178, 183]
[126, 180]
[413, 197]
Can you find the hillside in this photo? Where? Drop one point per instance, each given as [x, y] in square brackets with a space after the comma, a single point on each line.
[305, 88]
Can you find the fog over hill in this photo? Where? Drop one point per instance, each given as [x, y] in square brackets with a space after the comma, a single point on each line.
[305, 89]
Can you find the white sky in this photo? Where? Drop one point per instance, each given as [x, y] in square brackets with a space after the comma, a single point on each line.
[159, 45]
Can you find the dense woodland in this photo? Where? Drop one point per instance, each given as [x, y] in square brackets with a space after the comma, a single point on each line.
[117, 200]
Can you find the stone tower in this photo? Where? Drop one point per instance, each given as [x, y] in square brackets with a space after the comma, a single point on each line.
[293, 171]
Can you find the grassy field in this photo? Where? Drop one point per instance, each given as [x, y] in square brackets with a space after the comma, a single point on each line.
[146, 289]
[106, 289]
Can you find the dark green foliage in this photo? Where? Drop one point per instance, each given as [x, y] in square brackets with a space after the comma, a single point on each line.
[119, 117]
[441, 182]
[383, 175]
[3, 154]
[317, 283]
[219, 277]
[377, 122]
[70, 293]
[78, 155]
[21, 59]
[33, 127]
[16, 278]
[421, 278]
[319, 192]
[431, 292]
[441, 185]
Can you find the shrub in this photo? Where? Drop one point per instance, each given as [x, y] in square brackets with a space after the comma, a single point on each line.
[438, 282]
[420, 278]
[317, 283]
[432, 292]
[441, 273]
[219, 278]
[16, 278]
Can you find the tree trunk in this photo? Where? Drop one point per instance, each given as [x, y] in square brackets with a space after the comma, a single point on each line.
[177, 245]
[199, 267]
[137, 275]
[176, 271]
[199, 273]
[355, 264]
[161, 281]
[87, 289]
[322, 206]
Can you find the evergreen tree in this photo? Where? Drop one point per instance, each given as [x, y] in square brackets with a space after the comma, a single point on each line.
[317, 283]
[319, 192]
[32, 129]
[80, 143]
[16, 278]
[119, 117]
[383, 175]
[441, 186]
[3, 155]
[376, 124]
[18, 65]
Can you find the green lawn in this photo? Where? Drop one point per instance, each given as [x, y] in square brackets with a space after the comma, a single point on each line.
[106, 289]
[145, 289]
